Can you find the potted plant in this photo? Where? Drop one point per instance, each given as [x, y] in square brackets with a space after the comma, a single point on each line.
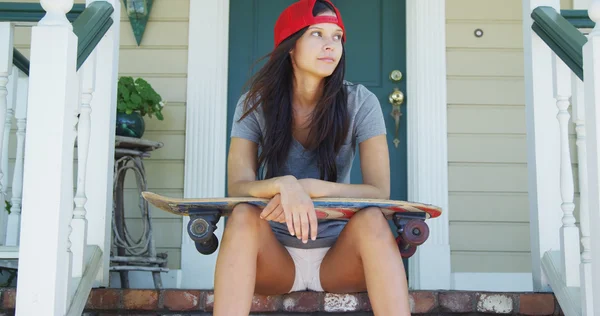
[135, 99]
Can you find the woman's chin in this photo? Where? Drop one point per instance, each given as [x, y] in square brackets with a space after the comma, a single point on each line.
[323, 72]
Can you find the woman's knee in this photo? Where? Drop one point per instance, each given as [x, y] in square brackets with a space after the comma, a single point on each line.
[371, 222]
[244, 216]
[370, 216]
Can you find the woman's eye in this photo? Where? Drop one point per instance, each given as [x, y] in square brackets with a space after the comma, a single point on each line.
[339, 37]
[316, 32]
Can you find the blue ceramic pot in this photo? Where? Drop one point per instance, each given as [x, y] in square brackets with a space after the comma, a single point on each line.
[130, 125]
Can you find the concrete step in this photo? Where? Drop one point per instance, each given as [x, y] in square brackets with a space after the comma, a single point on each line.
[104, 302]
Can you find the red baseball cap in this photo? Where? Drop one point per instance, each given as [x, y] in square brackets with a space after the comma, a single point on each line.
[299, 15]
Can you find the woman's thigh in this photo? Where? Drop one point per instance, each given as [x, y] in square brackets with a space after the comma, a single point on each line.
[275, 270]
[342, 269]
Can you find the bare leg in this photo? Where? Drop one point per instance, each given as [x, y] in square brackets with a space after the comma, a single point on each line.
[251, 260]
[366, 257]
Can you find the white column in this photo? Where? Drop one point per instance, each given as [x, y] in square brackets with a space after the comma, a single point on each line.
[99, 179]
[569, 233]
[206, 114]
[542, 149]
[591, 73]
[47, 181]
[427, 136]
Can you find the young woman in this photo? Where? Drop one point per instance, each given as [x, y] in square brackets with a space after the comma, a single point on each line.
[294, 137]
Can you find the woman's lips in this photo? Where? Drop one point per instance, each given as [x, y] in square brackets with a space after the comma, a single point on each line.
[327, 59]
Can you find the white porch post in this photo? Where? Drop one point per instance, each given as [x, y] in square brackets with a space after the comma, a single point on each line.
[99, 179]
[427, 144]
[591, 70]
[48, 170]
[206, 114]
[543, 146]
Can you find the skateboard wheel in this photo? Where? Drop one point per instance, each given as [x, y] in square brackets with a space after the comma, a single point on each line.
[406, 250]
[200, 229]
[209, 246]
[415, 232]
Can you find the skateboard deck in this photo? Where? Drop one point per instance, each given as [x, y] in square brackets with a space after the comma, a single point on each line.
[204, 213]
[325, 208]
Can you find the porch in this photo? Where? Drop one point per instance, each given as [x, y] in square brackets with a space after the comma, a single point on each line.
[73, 71]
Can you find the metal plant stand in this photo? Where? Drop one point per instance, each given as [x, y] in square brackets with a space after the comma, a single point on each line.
[131, 254]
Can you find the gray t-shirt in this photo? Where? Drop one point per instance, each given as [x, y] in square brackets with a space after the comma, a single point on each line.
[366, 121]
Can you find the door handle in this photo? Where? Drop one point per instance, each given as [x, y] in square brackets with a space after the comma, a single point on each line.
[396, 98]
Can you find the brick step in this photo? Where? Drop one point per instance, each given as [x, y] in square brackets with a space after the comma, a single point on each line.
[196, 302]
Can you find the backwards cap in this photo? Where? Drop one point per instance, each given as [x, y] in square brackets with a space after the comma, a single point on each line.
[299, 15]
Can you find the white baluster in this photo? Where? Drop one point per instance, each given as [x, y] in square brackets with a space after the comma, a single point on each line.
[569, 233]
[14, 219]
[79, 235]
[584, 215]
[11, 97]
[6, 55]
[10, 110]
[11, 88]
[48, 168]
[591, 70]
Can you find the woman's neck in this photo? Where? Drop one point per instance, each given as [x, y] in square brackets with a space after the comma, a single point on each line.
[307, 91]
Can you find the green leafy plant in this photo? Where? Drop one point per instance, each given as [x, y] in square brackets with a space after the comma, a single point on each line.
[138, 96]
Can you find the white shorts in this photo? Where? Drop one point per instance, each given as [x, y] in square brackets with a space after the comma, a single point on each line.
[308, 266]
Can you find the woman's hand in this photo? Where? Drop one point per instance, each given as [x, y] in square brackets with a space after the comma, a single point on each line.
[274, 211]
[298, 209]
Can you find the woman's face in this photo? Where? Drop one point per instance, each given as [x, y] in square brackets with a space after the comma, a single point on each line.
[319, 49]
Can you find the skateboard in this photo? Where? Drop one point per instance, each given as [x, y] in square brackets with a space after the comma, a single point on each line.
[408, 217]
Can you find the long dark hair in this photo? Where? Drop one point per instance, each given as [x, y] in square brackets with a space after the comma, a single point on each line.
[272, 88]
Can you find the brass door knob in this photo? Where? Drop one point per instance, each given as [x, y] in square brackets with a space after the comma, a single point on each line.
[396, 99]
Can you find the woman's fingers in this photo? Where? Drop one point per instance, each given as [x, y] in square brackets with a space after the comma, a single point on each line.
[275, 214]
[281, 218]
[312, 218]
[297, 225]
[271, 206]
[289, 219]
[305, 226]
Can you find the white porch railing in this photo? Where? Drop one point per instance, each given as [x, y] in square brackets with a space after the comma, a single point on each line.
[565, 256]
[64, 131]
[16, 109]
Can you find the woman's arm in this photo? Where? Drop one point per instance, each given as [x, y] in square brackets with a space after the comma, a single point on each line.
[375, 168]
[241, 172]
[296, 205]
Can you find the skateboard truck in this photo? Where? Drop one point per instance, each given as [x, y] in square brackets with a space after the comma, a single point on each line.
[412, 232]
[201, 229]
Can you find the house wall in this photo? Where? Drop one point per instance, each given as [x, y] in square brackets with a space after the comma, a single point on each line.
[488, 202]
[161, 59]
